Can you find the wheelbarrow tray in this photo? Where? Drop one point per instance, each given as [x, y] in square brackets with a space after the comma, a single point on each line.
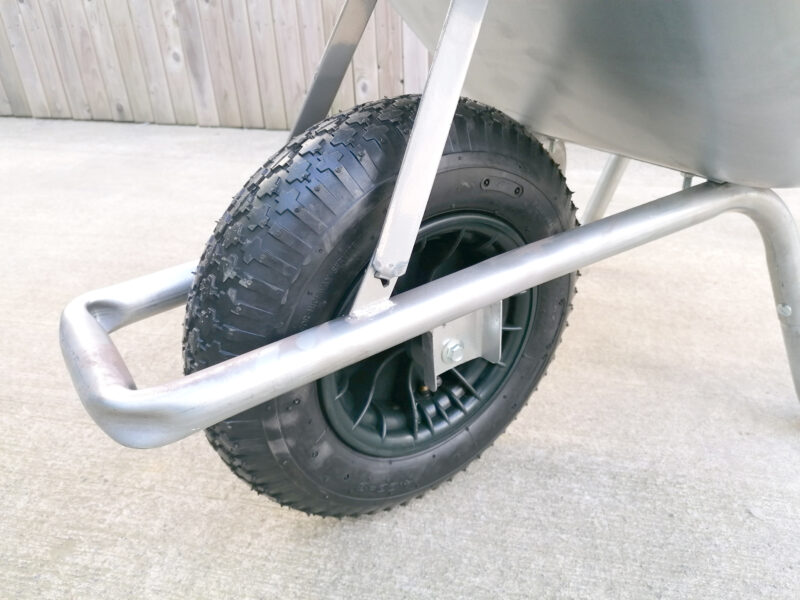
[670, 83]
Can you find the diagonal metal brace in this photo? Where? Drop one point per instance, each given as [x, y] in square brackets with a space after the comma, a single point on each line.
[331, 69]
[423, 153]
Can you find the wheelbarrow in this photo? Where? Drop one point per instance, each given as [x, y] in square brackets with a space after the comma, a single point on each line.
[383, 295]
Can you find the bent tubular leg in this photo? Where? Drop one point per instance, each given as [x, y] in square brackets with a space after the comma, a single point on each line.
[159, 415]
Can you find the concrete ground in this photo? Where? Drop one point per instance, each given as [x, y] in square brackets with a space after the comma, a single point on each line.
[659, 459]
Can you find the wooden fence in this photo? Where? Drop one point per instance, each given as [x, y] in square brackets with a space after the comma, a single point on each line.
[231, 63]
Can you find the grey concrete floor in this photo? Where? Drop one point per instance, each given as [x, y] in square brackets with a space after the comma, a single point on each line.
[660, 458]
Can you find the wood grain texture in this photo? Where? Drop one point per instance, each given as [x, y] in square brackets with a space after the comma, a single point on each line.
[24, 58]
[152, 63]
[389, 50]
[290, 57]
[191, 34]
[165, 21]
[345, 97]
[415, 62]
[87, 61]
[9, 75]
[365, 66]
[45, 60]
[268, 72]
[108, 60]
[240, 44]
[5, 105]
[196, 62]
[312, 35]
[215, 36]
[68, 67]
[130, 61]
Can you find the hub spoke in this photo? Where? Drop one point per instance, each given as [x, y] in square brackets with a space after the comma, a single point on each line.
[372, 387]
[414, 411]
[379, 405]
[450, 251]
[440, 409]
[465, 383]
[455, 400]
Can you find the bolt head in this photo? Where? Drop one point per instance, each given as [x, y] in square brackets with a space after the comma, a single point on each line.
[453, 351]
[784, 310]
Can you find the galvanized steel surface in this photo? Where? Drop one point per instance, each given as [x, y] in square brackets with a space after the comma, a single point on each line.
[709, 87]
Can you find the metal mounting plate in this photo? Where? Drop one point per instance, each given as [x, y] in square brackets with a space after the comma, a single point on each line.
[478, 334]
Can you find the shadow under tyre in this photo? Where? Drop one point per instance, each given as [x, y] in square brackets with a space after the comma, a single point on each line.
[289, 253]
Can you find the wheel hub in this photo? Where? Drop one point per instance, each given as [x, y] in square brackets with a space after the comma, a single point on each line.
[382, 405]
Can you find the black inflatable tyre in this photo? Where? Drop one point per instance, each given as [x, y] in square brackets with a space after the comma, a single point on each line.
[287, 254]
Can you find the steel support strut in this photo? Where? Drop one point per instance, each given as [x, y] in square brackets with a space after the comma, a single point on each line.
[423, 152]
[330, 72]
[162, 414]
[605, 188]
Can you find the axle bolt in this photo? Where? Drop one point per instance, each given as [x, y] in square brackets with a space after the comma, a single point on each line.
[453, 351]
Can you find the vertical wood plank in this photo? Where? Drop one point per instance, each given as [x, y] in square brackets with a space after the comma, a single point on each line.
[65, 58]
[212, 21]
[208, 62]
[389, 40]
[150, 53]
[415, 62]
[169, 40]
[268, 71]
[345, 97]
[191, 34]
[365, 65]
[23, 55]
[108, 60]
[45, 60]
[128, 51]
[290, 57]
[88, 63]
[5, 105]
[312, 36]
[10, 77]
[243, 62]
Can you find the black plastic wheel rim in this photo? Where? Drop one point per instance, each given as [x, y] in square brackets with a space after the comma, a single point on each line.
[380, 406]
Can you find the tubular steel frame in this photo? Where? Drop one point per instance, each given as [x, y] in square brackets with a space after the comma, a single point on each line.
[162, 414]
[165, 413]
[598, 203]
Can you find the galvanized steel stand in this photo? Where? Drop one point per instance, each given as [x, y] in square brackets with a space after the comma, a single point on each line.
[162, 414]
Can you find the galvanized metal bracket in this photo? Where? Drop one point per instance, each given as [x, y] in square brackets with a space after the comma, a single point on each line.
[478, 334]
